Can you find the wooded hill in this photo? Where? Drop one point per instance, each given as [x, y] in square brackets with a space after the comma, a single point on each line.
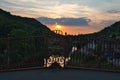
[20, 26]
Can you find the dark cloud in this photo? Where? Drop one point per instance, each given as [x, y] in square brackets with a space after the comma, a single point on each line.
[65, 21]
[113, 11]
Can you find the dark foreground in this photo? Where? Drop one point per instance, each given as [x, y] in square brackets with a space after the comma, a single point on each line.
[58, 74]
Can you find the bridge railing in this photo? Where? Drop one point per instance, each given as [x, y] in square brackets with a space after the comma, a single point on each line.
[21, 52]
[30, 51]
[96, 53]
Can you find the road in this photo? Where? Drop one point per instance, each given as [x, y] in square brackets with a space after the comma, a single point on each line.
[58, 74]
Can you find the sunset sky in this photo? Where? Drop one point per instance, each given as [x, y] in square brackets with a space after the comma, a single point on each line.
[75, 16]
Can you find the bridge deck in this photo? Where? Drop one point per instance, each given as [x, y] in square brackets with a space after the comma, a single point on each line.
[58, 74]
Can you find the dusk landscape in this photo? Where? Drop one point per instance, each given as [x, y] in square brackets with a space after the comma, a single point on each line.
[59, 39]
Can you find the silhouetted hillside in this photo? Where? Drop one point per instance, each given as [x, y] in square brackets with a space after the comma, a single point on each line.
[16, 25]
[22, 49]
[111, 31]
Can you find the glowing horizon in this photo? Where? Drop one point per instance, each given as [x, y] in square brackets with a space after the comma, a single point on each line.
[73, 31]
[75, 16]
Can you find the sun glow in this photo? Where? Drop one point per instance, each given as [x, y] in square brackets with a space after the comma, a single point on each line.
[58, 27]
[73, 30]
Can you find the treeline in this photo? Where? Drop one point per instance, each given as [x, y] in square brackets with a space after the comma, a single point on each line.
[112, 32]
[20, 26]
[22, 40]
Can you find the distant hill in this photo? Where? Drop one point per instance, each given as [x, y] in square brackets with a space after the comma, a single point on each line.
[111, 31]
[22, 49]
[22, 26]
